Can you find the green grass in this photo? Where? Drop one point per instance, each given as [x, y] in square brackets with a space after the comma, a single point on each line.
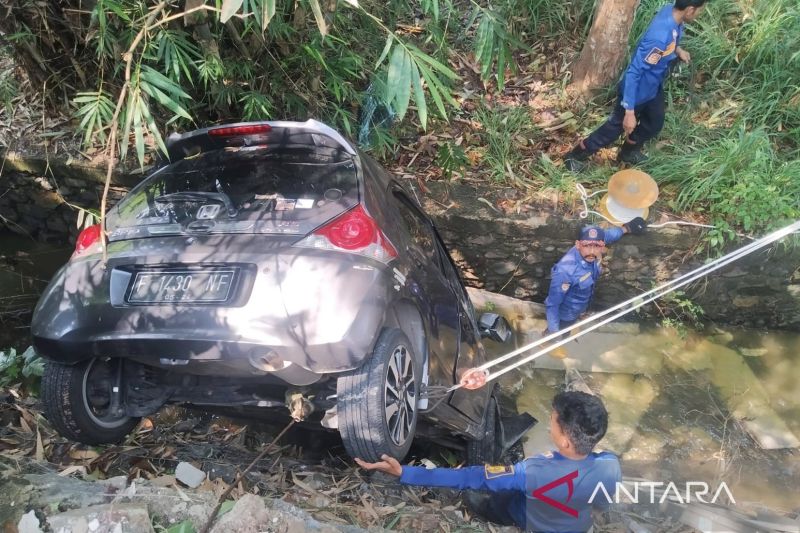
[502, 127]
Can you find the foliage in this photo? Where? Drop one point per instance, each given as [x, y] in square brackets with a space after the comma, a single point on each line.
[246, 60]
[679, 312]
[558, 19]
[503, 128]
[25, 368]
[739, 180]
[9, 87]
[494, 44]
[451, 158]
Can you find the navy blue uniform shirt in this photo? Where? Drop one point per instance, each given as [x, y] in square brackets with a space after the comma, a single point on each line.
[650, 61]
[572, 284]
[553, 491]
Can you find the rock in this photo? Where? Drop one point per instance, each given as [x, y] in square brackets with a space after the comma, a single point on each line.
[248, 515]
[110, 518]
[29, 523]
[746, 301]
[66, 492]
[189, 475]
[505, 267]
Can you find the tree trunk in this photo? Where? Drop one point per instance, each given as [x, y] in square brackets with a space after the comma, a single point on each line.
[606, 47]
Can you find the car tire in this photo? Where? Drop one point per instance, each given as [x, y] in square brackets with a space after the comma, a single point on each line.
[75, 412]
[485, 450]
[373, 420]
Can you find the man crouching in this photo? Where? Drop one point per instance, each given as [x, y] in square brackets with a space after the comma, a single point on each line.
[548, 492]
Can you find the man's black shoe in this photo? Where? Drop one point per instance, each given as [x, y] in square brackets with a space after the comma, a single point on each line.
[631, 156]
[576, 159]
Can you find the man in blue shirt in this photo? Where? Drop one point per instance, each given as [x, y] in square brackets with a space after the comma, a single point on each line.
[575, 274]
[639, 111]
[551, 492]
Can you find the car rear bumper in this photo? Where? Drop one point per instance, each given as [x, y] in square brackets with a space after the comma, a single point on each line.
[320, 312]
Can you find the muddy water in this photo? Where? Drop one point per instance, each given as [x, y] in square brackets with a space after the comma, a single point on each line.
[719, 406]
[26, 267]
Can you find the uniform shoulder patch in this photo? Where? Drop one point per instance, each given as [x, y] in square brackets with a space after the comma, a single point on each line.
[493, 471]
[565, 287]
[654, 56]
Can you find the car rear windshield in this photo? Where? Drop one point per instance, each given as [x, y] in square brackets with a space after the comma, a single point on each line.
[241, 190]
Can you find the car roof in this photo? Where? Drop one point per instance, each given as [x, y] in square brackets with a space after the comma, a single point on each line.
[310, 133]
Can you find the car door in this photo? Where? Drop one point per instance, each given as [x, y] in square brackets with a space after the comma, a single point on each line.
[428, 283]
[470, 351]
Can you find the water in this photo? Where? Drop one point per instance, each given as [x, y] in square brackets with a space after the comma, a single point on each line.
[26, 267]
[713, 407]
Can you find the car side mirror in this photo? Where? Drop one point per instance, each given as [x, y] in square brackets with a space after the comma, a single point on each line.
[495, 327]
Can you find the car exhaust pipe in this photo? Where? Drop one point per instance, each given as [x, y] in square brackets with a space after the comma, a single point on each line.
[268, 362]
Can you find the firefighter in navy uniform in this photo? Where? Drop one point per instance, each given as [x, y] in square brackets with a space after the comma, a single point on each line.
[639, 111]
[549, 492]
[574, 276]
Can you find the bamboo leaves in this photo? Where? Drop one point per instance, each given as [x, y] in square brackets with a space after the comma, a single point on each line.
[149, 85]
[493, 43]
[229, 9]
[408, 67]
[177, 53]
[95, 109]
[321, 24]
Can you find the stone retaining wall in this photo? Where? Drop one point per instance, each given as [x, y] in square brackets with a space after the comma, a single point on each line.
[507, 253]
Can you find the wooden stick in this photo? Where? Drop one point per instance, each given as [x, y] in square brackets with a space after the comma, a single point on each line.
[210, 521]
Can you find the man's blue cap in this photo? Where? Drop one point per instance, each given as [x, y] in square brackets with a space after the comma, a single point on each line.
[592, 233]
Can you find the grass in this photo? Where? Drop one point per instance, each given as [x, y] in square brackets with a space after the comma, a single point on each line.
[503, 128]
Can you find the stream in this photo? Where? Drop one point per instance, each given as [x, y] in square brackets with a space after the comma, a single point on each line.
[717, 406]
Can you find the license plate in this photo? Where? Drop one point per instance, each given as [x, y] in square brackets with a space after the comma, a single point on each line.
[182, 286]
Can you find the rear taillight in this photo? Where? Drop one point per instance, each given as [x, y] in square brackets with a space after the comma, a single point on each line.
[353, 232]
[237, 131]
[88, 241]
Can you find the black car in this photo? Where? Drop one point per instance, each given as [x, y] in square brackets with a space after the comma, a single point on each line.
[268, 265]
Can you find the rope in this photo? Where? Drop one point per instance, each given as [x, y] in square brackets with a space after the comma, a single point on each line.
[594, 322]
[586, 211]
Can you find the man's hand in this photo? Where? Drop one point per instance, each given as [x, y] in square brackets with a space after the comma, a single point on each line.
[629, 122]
[389, 465]
[637, 226]
[473, 378]
[683, 55]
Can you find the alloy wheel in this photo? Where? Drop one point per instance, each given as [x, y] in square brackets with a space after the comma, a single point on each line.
[400, 396]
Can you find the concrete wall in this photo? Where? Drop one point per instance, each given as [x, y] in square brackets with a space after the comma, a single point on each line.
[507, 253]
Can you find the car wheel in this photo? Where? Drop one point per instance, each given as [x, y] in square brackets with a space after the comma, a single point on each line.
[485, 450]
[77, 401]
[377, 403]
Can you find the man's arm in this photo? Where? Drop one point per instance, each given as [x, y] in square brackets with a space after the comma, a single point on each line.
[559, 285]
[487, 477]
[647, 54]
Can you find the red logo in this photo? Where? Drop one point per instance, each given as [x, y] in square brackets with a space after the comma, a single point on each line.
[539, 493]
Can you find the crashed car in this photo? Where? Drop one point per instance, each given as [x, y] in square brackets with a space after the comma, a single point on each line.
[269, 266]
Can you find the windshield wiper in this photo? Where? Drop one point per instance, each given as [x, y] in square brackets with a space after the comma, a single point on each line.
[194, 196]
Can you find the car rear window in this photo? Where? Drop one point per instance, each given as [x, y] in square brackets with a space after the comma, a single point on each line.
[241, 190]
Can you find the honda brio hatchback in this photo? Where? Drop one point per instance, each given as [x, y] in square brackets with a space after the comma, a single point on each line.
[269, 266]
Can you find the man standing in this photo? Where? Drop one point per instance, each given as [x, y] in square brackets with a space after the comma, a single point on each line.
[549, 492]
[639, 111]
[575, 274]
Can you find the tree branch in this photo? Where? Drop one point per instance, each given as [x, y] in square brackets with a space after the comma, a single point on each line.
[112, 142]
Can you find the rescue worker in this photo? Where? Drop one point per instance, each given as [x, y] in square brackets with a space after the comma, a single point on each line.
[639, 111]
[575, 274]
[548, 492]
